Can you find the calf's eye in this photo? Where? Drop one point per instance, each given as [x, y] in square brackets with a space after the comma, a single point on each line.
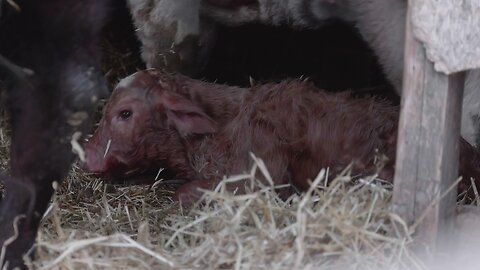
[125, 114]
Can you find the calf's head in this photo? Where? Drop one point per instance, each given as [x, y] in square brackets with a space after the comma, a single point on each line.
[144, 126]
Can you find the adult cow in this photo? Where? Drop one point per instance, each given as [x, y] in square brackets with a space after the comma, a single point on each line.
[178, 34]
[50, 70]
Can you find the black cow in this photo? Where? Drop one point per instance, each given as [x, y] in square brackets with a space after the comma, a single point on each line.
[49, 65]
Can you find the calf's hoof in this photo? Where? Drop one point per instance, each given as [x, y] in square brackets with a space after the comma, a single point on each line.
[190, 193]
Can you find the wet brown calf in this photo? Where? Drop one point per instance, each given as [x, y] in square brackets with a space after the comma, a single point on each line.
[201, 131]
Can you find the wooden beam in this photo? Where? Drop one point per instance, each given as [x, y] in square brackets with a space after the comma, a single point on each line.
[427, 147]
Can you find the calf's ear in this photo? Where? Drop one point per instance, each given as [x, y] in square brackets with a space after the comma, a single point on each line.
[187, 117]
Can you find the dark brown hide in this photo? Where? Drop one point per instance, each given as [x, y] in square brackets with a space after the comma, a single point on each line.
[202, 131]
[50, 105]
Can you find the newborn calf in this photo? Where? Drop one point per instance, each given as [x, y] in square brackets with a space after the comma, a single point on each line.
[202, 131]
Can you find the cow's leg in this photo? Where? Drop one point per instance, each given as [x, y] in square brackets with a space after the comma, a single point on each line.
[50, 107]
[43, 131]
[173, 34]
[20, 213]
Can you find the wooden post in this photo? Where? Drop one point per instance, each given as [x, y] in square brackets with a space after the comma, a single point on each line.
[427, 147]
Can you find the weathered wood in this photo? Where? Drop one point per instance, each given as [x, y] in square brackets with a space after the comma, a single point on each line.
[427, 148]
[450, 30]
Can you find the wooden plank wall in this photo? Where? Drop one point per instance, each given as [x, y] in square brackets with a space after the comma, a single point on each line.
[427, 155]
